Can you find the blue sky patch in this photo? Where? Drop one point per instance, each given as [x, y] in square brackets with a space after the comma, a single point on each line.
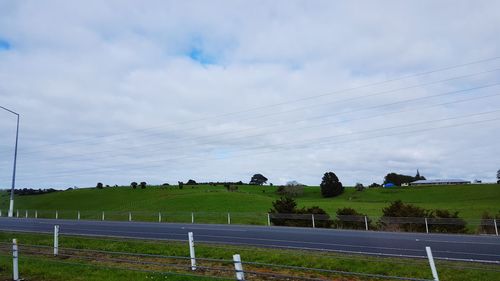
[4, 44]
[198, 55]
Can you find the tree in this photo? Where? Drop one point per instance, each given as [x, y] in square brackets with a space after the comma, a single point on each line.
[284, 205]
[498, 176]
[143, 184]
[133, 184]
[99, 185]
[398, 179]
[373, 185]
[181, 185]
[191, 182]
[258, 179]
[418, 176]
[330, 185]
[359, 187]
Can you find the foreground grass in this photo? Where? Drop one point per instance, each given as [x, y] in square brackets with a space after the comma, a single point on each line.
[469, 200]
[47, 268]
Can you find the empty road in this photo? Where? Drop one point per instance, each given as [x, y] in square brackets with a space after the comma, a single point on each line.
[467, 247]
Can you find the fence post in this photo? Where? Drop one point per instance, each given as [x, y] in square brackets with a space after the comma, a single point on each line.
[0, 213]
[268, 219]
[56, 240]
[15, 256]
[431, 263]
[17, 213]
[129, 216]
[496, 228]
[228, 218]
[191, 251]
[78, 215]
[314, 224]
[102, 216]
[426, 226]
[192, 217]
[26, 214]
[366, 223]
[159, 216]
[238, 267]
[36, 214]
[57, 215]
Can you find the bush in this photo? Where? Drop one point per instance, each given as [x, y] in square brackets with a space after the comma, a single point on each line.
[359, 187]
[350, 218]
[447, 222]
[487, 225]
[287, 214]
[330, 185]
[290, 191]
[398, 209]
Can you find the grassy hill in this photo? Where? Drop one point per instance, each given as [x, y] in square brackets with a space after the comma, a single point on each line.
[470, 200]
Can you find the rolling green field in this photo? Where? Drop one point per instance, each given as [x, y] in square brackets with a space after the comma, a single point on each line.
[470, 200]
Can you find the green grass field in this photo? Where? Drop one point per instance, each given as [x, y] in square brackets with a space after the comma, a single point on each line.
[470, 200]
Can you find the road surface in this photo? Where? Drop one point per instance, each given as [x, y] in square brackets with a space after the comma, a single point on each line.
[462, 247]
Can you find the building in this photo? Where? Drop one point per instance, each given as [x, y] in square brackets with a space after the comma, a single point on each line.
[440, 181]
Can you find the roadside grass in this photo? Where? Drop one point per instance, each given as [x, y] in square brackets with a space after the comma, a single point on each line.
[47, 268]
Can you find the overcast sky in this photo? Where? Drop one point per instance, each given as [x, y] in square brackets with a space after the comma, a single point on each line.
[166, 91]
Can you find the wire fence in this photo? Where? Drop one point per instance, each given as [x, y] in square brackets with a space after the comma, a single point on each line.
[373, 223]
[217, 268]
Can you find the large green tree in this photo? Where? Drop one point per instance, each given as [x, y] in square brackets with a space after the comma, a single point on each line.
[330, 185]
[258, 179]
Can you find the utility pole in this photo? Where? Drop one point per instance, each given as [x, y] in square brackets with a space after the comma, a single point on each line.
[11, 205]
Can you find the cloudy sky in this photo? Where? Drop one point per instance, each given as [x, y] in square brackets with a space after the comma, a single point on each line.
[162, 91]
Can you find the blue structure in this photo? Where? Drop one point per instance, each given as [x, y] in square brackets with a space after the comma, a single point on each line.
[388, 185]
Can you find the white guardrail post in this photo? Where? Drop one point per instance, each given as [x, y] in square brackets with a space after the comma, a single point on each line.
[36, 214]
[57, 215]
[191, 251]
[268, 219]
[78, 216]
[0, 213]
[15, 265]
[314, 223]
[56, 240]
[192, 217]
[17, 213]
[238, 267]
[129, 216]
[159, 216]
[26, 214]
[102, 218]
[366, 223]
[432, 264]
[496, 228]
[426, 226]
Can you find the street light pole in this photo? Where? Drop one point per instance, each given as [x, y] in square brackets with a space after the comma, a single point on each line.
[11, 205]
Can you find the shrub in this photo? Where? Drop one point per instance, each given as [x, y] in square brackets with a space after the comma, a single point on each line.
[447, 222]
[290, 191]
[286, 213]
[398, 209]
[373, 185]
[350, 218]
[359, 187]
[487, 225]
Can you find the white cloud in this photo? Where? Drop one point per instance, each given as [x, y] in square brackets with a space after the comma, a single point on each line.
[117, 68]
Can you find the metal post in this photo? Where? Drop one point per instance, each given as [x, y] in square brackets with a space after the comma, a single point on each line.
[78, 216]
[0, 213]
[496, 228]
[366, 223]
[129, 216]
[36, 214]
[57, 215]
[11, 203]
[26, 214]
[238, 267]
[228, 218]
[102, 216]
[314, 224]
[192, 217]
[17, 213]
[15, 257]
[426, 226]
[191, 251]
[431, 263]
[159, 216]
[268, 219]
[56, 240]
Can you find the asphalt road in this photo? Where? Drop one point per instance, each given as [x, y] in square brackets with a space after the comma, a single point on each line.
[466, 247]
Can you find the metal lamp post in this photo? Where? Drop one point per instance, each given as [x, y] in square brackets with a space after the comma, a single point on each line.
[11, 205]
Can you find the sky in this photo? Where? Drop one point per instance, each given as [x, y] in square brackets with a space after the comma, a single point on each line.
[166, 91]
